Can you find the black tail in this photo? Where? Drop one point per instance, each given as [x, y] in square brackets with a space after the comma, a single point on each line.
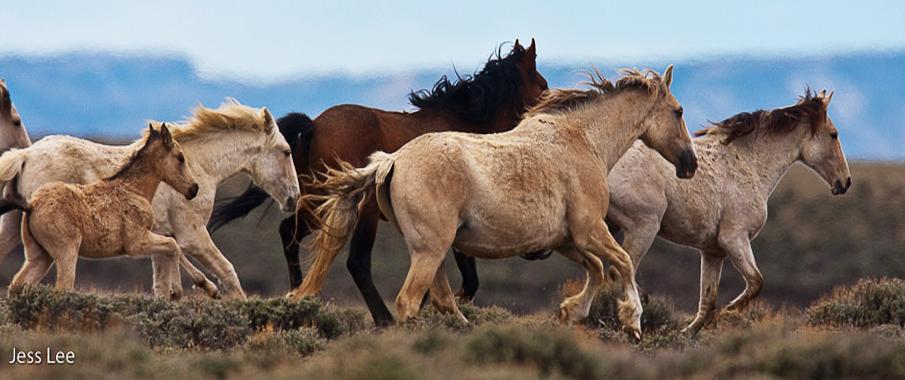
[297, 129]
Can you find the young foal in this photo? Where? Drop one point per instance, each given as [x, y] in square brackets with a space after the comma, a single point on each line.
[491, 101]
[496, 196]
[725, 206]
[219, 142]
[107, 218]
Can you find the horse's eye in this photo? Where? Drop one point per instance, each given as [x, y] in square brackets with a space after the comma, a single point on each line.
[680, 111]
[834, 135]
[181, 159]
[17, 123]
[287, 153]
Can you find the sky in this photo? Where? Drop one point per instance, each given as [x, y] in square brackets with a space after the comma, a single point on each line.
[274, 40]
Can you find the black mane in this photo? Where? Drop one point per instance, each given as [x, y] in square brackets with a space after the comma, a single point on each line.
[477, 97]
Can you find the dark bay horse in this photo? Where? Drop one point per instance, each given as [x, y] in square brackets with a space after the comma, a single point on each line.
[490, 101]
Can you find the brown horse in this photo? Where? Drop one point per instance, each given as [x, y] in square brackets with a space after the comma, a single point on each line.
[491, 101]
[108, 218]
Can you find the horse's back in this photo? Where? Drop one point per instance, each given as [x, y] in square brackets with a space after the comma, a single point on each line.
[68, 159]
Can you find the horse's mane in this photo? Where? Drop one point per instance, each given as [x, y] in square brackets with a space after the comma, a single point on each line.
[477, 97]
[561, 100]
[777, 121]
[143, 140]
[231, 115]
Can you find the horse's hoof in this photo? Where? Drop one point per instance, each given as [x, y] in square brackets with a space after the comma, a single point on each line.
[633, 332]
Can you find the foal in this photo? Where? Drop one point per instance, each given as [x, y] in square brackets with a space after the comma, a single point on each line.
[724, 207]
[540, 186]
[111, 217]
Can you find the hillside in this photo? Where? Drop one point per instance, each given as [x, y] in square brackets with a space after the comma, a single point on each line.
[104, 95]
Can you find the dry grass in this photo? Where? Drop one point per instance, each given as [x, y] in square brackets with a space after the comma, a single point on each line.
[278, 339]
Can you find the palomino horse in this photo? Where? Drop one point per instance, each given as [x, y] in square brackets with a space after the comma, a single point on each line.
[540, 186]
[723, 208]
[12, 135]
[219, 143]
[107, 218]
[491, 101]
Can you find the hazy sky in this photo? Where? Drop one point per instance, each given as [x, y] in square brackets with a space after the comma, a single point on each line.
[270, 40]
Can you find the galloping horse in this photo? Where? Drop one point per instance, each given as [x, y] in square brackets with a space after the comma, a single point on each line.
[219, 143]
[491, 101]
[12, 135]
[107, 218]
[540, 186]
[724, 207]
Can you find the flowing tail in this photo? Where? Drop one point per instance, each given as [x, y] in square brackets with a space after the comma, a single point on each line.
[297, 128]
[346, 189]
[11, 163]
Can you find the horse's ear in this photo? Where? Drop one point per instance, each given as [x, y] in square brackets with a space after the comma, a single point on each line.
[165, 135]
[667, 76]
[268, 117]
[532, 52]
[152, 133]
[518, 46]
[829, 97]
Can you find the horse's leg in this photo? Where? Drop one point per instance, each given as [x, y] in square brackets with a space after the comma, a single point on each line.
[711, 266]
[37, 263]
[421, 274]
[578, 306]
[359, 264]
[469, 270]
[198, 278]
[742, 257]
[165, 252]
[197, 242]
[291, 232]
[604, 246]
[9, 232]
[442, 297]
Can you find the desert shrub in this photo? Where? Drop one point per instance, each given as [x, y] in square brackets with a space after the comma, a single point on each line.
[551, 352]
[777, 350]
[869, 302]
[304, 341]
[190, 323]
[430, 318]
[658, 314]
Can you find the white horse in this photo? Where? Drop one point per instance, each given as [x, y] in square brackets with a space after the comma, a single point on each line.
[724, 206]
[540, 186]
[218, 143]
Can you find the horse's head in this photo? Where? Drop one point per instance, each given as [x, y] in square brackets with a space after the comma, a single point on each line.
[168, 161]
[533, 83]
[666, 132]
[12, 131]
[821, 150]
[271, 167]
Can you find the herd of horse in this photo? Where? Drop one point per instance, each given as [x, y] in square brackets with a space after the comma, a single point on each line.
[492, 165]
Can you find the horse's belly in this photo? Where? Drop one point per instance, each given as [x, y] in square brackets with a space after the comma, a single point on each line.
[497, 233]
[689, 228]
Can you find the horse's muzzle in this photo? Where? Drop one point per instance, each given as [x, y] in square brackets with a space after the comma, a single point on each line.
[839, 188]
[688, 164]
[192, 191]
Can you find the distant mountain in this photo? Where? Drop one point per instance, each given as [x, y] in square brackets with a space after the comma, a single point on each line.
[107, 95]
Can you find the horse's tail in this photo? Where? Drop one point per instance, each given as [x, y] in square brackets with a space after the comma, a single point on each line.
[346, 189]
[11, 163]
[297, 129]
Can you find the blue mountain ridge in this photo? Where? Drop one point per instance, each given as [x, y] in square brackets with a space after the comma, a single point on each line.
[111, 96]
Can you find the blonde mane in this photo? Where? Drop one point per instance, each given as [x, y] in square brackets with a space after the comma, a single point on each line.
[562, 100]
[205, 122]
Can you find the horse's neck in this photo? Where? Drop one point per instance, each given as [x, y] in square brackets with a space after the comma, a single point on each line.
[771, 157]
[140, 178]
[214, 160]
[612, 123]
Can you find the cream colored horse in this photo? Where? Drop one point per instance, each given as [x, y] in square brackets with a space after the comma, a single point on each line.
[219, 143]
[12, 135]
[107, 218]
[540, 186]
[725, 206]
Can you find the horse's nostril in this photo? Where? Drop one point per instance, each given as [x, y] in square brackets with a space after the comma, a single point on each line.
[848, 182]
